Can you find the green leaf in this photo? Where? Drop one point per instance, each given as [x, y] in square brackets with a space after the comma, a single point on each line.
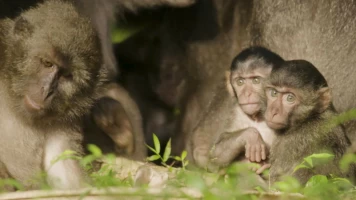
[185, 163]
[317, 180]
[346, 160]
[177, 158]
[344, 117]
[153, 150]
[67, 154]
[322, 159]
[153, 157]
[176, 112]
[288, 184]
[123, 32]
[301, 166]
[259, 189]
[342, 183]
[87, 160]
[12, 182]
[96, 151]
[167, 151]
[309, 160]
[322, 156]
[184, 155]
[283, 186]
[156, 144]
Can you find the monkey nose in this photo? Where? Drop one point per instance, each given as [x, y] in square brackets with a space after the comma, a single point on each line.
[248, 94]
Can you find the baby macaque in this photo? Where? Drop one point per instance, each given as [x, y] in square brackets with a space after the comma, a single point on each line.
[299, 107]
[250, 134]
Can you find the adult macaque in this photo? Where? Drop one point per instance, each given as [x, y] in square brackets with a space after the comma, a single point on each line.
[118, 116]
[51, 72]
[299, 107]
[246, 131]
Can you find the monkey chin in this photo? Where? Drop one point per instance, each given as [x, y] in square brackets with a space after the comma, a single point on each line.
[250, 109]
[31, 105]
[34, 108]
[275, 126]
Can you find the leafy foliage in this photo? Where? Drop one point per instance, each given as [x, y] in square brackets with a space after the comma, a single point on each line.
[229, 183]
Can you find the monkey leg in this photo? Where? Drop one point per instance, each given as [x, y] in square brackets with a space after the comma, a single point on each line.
[110, 116]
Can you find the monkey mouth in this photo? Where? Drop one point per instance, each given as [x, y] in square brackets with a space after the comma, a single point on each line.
[31, 104]
[251, 108]
[246, 104]
[275, 125]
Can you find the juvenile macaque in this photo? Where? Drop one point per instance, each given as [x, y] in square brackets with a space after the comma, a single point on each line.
[299, 107]
[116, 115]
[247, 132]
[51, 72]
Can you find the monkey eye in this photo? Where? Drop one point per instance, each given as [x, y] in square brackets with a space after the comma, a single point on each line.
[291, 98]
[256, 80]
[47, 63]
[240, 81]
[68, 76]
[273, 92]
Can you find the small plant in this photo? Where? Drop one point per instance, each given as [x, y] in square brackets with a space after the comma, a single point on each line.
[102, 177]
[182, 159]
[157, 151]
[166, 153]
[12, 183]
[106, 175]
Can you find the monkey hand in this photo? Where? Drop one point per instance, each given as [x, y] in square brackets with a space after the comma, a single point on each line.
[260, 167]
[110, 117]
[255, 148]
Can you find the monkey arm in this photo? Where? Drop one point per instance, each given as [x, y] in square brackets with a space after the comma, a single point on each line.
[64, 173]
[231, 144]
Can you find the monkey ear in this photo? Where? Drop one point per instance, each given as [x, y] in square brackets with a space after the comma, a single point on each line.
[325, 99]
[22, 27]
[228, 83]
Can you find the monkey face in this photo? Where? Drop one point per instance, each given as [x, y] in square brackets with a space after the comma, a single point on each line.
[54, 74]
[247, 86]
[280, 104]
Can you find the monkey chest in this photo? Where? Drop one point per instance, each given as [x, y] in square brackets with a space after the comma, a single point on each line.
[21, 149]
[242, 121]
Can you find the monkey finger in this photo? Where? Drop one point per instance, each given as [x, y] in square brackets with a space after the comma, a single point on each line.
[263, 152]
[254, 169]
[247, 151]
[252, 154]
[263, 168]
[258, 153]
